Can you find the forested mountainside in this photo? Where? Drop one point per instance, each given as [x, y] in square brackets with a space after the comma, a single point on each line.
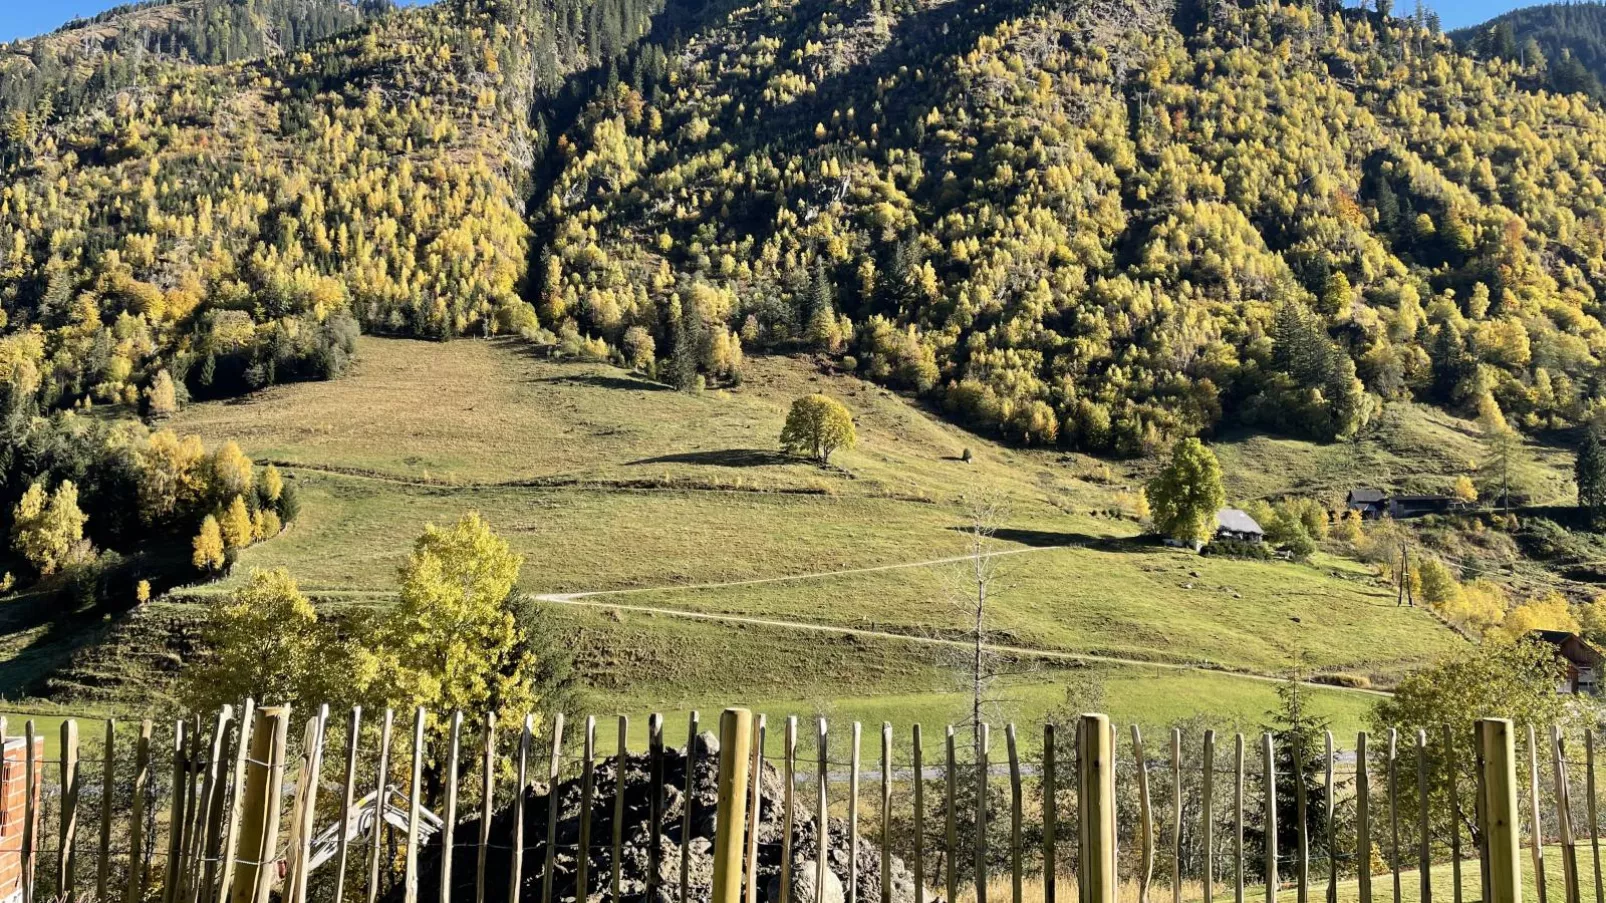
[1565, 41]
[212, 229]
[1079, 223]
[45, 79]
[1102, 223]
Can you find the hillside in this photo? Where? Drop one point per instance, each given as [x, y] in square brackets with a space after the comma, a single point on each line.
[574, 462]
[1567, 41]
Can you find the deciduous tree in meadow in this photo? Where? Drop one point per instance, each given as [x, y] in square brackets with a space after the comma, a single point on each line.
[1185, 496]
[816, 427]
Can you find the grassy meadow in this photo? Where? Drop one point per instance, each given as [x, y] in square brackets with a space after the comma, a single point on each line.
[621, 493]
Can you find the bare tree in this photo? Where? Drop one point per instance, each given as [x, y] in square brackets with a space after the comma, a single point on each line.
[977, 589]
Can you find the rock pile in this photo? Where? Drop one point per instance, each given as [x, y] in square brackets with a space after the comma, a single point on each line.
[635, 859]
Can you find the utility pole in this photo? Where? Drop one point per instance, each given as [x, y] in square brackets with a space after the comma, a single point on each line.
[1405, 577]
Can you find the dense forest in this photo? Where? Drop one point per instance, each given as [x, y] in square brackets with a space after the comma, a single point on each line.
[1565, 42]
[1098, 223]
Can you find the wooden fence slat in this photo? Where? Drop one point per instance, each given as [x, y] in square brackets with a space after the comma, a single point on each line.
[1051, 816]
[175, 816]
[230, 844]
[1145, 818]
[619, 807]
[1176, 814]
[983, 748]
[1564, 815]
[1591, 809]
[789, 805]
[1394, 812]
[918, 760]
[690, 806]
[755, 786]
[1536, 837]
[823, 817]
[655, 803]
[71, 788]
[886, 812]
[1453, 785]
[310, 830]
[487, 807]
[1015, 846]
[554, 771]
[950, 854]
[1238, 818]
[588, 800]
[1207, 804]
[1480, 806]
[1301, 823]
[521, 789]
[1270, 766]
[1331, 788]
[454, 744]
[134, 888]
[1424, 827]
[30, 809]
[1363, 820]
[309, 813]
[195, 815]
[209, 818]
[348, 799]
[108, 784]
[415, 805]
[381, 795]
[298, 805]
[853, 813]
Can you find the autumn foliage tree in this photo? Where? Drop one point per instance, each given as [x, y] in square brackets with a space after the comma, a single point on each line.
[817, 426]
[1185, 496]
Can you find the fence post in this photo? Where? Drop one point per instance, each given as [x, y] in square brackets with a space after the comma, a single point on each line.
[1145, 818]
[1269, 763]
[348, 794]
[1498, 764]
[70, 789]
[1050, 817]
[415, 804]
[259, 826]
[735, 746]
[1207, 804]
[1095, 772]
[108, 787]
[1564, 816]
[134, 889]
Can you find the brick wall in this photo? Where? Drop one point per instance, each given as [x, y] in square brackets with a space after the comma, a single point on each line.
[13, 802]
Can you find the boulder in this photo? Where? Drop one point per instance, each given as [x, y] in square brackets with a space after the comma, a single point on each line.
[803, 875]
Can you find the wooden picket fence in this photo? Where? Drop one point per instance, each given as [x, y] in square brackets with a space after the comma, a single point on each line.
[235, 809]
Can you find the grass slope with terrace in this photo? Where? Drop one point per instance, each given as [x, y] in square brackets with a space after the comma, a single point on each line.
[636, 496]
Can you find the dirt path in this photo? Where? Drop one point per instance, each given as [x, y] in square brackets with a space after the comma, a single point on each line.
[575, 599]
[792, 578]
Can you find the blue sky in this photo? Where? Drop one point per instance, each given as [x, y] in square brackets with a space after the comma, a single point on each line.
[24, 18]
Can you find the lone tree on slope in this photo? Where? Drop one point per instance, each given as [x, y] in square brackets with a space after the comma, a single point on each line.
[1186, 495]
[816, 427]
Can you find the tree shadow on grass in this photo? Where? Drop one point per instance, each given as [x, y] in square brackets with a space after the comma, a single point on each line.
[604, 381]
[725, 457]
[1047, 539]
